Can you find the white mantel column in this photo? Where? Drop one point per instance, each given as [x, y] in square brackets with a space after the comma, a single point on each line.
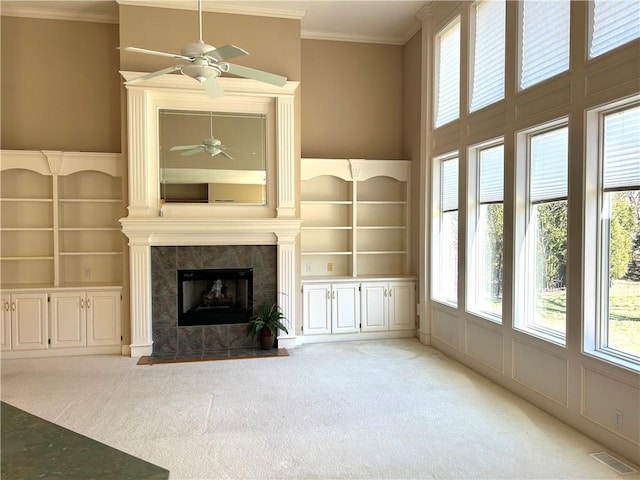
[140, 297]
[286, 156]
[287, 292]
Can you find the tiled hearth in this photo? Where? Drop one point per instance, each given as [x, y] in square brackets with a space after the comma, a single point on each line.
[171, 340]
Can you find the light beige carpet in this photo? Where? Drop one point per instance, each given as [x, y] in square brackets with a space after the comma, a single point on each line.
[387, 409]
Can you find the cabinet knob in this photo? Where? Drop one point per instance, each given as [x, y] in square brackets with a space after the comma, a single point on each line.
[390, 291]
[88, 303]
[6, 306]
[333, 295]
[13, 306]
[328, 295]
[385, 292]
[81, 303]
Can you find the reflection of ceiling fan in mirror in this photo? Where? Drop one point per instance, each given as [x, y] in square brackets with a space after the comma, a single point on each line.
[211, 146]
[205, 63]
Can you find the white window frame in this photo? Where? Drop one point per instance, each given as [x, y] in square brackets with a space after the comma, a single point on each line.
[595, 274]
[456, 22]
[436, 229]
[473, 219]
[524, 292]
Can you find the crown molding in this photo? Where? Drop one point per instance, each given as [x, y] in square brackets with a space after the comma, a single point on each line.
[219, 8]
[339, 37]
[56, 14]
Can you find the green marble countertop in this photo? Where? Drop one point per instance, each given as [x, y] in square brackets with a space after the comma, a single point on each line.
[35, 448]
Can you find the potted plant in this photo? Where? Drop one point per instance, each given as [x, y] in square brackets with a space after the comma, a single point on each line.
[265, 324]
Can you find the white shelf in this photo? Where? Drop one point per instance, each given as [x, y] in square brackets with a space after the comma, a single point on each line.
[89, 200]
[366, 199]
[18, 199]
[56, 205]
[11, 259]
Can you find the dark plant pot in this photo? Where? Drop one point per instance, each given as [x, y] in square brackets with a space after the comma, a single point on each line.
[266, 339]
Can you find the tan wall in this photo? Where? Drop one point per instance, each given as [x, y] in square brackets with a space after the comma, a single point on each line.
[412, 62]
[351, 100]
[273, 43]
[60, 85]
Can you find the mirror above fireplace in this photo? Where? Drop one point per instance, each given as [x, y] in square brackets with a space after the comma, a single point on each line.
[212, 157]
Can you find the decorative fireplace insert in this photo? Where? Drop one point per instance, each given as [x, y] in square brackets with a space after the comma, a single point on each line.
[215, 296]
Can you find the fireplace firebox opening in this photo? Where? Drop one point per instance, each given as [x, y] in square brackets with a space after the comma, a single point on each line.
[215, 296]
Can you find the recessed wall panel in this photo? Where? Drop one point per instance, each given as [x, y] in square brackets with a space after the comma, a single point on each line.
[602, 395]
[484, 345]
[445, 328]
[541, 371]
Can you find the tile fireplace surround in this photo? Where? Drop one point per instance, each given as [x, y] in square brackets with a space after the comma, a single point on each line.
[152, 225]
[168, 337]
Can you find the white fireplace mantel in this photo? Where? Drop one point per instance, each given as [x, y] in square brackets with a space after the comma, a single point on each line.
[151, 223]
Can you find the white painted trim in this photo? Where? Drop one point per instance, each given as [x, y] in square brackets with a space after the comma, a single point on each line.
[57, 14]
[219, 8]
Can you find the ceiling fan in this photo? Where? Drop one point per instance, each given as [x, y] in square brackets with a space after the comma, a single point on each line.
[211, 145]
[205, 63]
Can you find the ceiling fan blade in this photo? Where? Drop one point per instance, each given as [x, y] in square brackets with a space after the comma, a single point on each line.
[184, 147]
[226, 154]
[223, 53]
[213, 87]
[156, 74]
[154, 52]
[266, 77]
[193, 151]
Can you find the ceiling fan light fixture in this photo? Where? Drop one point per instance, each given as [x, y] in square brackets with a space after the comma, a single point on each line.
[201, 73]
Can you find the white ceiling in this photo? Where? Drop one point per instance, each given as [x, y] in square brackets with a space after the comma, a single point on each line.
[350, 20]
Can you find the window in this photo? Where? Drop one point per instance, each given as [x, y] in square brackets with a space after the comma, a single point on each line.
[544, 51]
[619, 289]
[448, 74]
[488, 54]
[484, 274]
[445, 246]
[543, 225]
[613, 23]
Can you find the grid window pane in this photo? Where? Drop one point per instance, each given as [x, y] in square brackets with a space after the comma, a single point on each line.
[489, 232]
[488, 58]
[545, 40]
[613, 23]
[546, 275]
[446, 286]
[448, 76]
[620, 279]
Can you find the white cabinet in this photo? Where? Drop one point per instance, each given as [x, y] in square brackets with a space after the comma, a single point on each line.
[90, 318]
[24, 321]
[388, 306]
[331, 308]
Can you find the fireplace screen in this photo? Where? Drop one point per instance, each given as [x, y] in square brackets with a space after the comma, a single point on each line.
[215, 296]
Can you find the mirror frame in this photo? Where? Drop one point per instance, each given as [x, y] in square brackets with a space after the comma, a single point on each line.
[145, 99]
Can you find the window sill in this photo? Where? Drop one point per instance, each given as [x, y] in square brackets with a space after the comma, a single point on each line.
[614, 360]
[543, 334]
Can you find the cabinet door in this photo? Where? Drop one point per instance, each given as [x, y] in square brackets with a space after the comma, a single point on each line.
[316, 314]
[29, 321]
[5, 327]
[103, 318]
[345, 308]
[68, 320]
[402, 305]
[374, 306]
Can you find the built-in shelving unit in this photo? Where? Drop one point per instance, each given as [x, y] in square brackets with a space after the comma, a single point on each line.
[59, 222]
[354, 247]
[355, 217]
[61, 252]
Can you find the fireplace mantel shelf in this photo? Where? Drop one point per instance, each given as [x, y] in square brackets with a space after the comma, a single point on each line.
[201, 231]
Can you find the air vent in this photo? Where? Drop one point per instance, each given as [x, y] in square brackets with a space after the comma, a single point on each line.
[441, 357]
[612, 462]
